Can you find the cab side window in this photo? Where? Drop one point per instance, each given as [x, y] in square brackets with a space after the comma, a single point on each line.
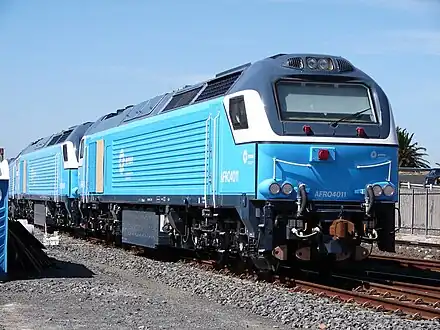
[237, 112]
[81, 149]
[65, 156]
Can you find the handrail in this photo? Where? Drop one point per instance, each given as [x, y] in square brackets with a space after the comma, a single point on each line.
[214, 159]
[388, 162]
[206, 159]
[12, 179]
[57, 181]
[276, 161]
[85, 194]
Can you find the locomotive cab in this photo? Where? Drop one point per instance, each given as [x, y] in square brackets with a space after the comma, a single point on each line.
[326, 157]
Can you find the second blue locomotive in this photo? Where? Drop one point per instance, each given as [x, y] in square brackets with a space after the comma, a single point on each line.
[291, 157]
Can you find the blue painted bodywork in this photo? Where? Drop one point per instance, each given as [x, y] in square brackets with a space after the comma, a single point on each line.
[164, 155]
[156, 151]
[41, 172]
[13, 183]
[335, 179]
[46, 177]
[3, 227]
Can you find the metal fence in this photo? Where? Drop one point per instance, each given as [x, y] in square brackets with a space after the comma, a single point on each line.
[419, 209]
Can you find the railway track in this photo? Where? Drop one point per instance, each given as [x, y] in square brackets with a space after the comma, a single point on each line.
[418, 244]
[405, 298]
[413, 300]
[415, 304]
[425, 264]
[405, 292]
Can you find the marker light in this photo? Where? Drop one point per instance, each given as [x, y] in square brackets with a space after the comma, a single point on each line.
[377, 190]
[361, 132]
[323, 154]
[287, 188]
[312, 63]
[307, 129]
[324, 64]
[274, 188]
[388, 190]
[1, 195]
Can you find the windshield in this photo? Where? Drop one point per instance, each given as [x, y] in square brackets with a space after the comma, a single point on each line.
[324, 102]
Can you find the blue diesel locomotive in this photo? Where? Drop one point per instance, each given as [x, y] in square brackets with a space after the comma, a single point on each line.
[291, 157]
[44, 178]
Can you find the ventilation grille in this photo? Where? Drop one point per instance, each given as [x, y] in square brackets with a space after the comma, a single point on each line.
[344, 65]
[36, 141]
[145, 108]
[218, 86]
[112, 114]
[54, 140]
[295, 62]
[182, 99]
[64, 136]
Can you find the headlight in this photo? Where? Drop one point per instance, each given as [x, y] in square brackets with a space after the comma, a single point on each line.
[388, 190]
[274, 188]
[312, 62]
[377, 190]
[1, 195]
[324, 64]
[287, 188]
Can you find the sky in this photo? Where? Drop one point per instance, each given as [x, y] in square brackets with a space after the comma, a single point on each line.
[71, 61]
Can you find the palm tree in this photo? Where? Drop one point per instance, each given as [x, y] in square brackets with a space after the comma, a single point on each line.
[410, 153]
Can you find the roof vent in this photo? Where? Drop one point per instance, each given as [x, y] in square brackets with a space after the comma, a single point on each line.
[295, 62]
[344, 65]
[182, 99]
[219, 86]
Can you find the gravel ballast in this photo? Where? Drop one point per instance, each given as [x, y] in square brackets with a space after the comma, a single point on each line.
[133, 292]
[413, 251]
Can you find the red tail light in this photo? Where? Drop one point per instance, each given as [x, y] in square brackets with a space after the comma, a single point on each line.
[361, 132]
[307, 129]
[323, 154]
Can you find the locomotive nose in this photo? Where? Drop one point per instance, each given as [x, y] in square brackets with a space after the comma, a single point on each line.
[329, 172]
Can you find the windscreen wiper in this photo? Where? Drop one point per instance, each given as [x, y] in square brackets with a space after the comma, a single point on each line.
[353, 115]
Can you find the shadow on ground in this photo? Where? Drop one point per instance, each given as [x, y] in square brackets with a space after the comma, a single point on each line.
[56, 269]
[27, 259]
